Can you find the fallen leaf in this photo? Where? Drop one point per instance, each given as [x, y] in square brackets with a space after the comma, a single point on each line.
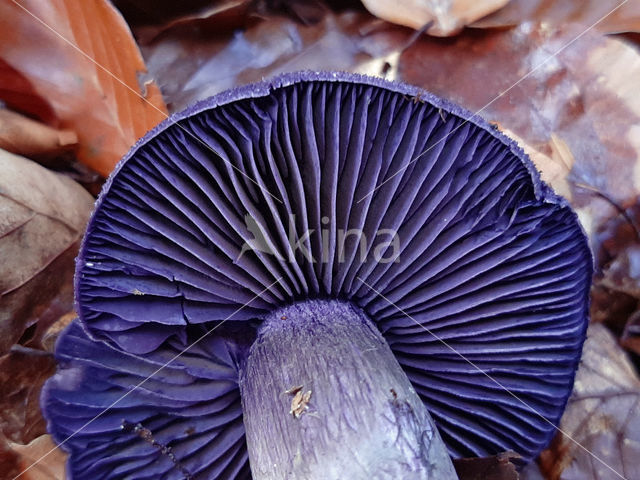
[24, 136]
[616, 291]
[109, 103]
[578, 108]
[497, 467]
[23, 371]
[42, 217]
[50, 460]
[626, 18]
[197, 58]
[602, 418]
[448, 16]
[51, 334]
[17, 92]
[8, 460]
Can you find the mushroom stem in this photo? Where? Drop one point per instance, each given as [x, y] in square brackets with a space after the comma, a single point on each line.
[324, 398]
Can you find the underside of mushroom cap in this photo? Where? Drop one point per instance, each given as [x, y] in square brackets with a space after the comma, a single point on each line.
[128, 416]
[476, 274]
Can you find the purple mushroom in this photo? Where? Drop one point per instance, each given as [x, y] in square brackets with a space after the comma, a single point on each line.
[290, 279]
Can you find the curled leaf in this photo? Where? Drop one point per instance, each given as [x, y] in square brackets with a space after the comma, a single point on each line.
[35, 140]
[574, 102]
[98, 97]
[22, 374]
[448, 16]
[498, 467]
[196, 58]
[612, 16]
[42, 217]
[39, 460]
[602, 418]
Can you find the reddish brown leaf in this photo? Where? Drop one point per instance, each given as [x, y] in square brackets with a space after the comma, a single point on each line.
[8, 460]
[39, 460]
[42, 217]
[603, 416]
[587, 12]
[50, 336]
[105, 109]
[35, 140]
[22, 374]
[448, 16]
[498, 467]
[19, 94]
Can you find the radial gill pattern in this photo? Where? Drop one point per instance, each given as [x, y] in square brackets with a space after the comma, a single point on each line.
[340, 186]
[149, 419]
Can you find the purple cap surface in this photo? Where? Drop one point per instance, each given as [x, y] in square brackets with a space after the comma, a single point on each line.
[244, 203]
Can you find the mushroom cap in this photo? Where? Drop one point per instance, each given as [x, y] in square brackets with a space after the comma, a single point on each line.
[485, 304]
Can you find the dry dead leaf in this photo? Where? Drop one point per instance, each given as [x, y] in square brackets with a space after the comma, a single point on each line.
[603, 415]
[49, 467]
[497, 467]
[587, 12]
[51, 334]
[107, 113]
[448, 16]
[24, 136]
[42, 217]
[197, 58]
[17, 92]
[23, 371]
[578, 109]
[616, 291]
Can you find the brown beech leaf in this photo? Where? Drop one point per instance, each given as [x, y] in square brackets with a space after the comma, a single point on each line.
[50, 336]
[35, 140]
[196, 58]
[448, 16]
[603, 416]
[626, 18]
[616, 292]
[42, 217]
[17, 92]
[497, 467]
[8, 460]
[576, 112]
[107, 113]
[23, 371]
[50, 460]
